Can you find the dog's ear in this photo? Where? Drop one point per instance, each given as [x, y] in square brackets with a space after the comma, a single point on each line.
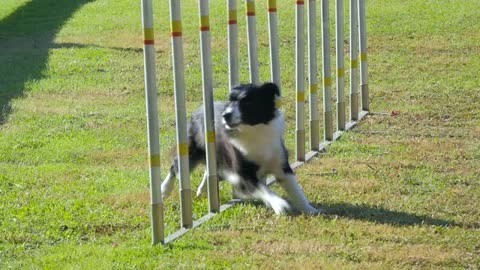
[271, 89]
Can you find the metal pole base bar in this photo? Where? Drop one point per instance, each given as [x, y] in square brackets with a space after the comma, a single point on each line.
[157, 222]
[186, 206]
[354, 107]
[365, 95]
[341, 116]
[328, 126]
[314, 135]
[300, 142]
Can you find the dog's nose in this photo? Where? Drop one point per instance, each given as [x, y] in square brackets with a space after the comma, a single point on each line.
[227, 116]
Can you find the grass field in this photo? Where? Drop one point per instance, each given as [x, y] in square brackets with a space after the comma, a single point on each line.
[73, 176]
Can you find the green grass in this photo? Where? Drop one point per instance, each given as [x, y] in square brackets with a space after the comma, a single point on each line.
[73, 174]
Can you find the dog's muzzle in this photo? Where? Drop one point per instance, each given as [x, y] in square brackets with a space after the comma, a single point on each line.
[227, 117]
[228, 120]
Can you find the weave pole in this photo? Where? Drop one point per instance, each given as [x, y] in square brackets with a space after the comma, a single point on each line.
[274, 43]
[181, 114]
[252, 42]
[353, 60]
[300, 80]
[233, 72]
[327, 73]
[339, 35]
[313, 76]
[158, 234]
[363, 54]
[207, 78]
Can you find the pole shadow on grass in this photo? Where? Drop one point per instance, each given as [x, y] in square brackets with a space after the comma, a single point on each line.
[384, 216]
[26, 37]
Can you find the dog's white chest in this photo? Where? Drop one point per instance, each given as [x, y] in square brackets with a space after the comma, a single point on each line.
[262, 144]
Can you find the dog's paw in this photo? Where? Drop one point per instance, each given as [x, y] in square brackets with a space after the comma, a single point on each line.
[312, 211]
[280, 206]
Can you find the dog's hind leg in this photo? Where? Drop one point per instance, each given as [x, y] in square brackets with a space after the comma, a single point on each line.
[196, 155]
[202, 188]
[169, 183]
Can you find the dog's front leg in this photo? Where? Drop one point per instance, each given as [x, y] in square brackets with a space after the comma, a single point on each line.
[288, 181]
[271, 199]
[248, 187]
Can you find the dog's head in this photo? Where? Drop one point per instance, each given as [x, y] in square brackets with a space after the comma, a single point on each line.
[249, 104]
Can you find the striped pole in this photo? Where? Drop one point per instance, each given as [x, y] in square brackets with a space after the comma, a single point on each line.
[274, 43]
[353, 61]
[152, 124]
[300, 83]
[313, 76]
[233, 44]
[207, 78]
[327, 73]
[181, 115]
[339, 33]
[252, 42]
[363, 54]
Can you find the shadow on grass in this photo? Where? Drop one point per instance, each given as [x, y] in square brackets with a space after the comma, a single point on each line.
[26, 36]
[76, 45]
[385, 216]
[374, 214]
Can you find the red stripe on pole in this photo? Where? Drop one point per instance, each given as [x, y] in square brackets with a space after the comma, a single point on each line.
[232, 21]
[176, 34]
[149, 42]
[205, 28]
[272, 10]
[299, 2]
[251, 13]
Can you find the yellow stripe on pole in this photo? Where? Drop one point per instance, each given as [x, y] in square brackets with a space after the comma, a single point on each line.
[155, 160]
[300, 96]
[204, 21]
[148, 34]
[250, 8]
[183, 149]
[341, 72]
[327, 82]
[177, 28]
[313, 88]
[232, 15]
[354, 63]
[363, 57]
[272, 5]
[210, 136]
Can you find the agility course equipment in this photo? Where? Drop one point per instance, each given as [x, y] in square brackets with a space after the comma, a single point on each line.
[357, 35]
[152, 123]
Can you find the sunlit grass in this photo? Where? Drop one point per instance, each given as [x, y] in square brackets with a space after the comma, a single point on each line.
[400, 191]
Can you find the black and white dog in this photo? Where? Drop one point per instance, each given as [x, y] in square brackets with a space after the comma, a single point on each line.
[250, 145]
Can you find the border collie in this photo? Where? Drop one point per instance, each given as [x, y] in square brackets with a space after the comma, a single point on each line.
[250, 146]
